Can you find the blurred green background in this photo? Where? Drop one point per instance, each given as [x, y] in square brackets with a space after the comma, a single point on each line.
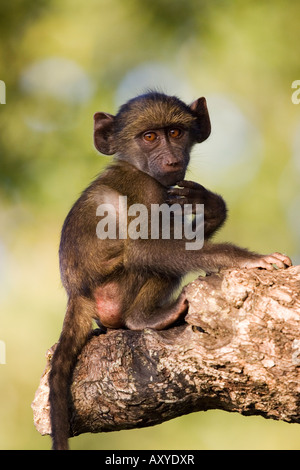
[64, 60]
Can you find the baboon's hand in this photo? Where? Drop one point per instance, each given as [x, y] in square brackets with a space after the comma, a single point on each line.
[189, 192]
[267, 262]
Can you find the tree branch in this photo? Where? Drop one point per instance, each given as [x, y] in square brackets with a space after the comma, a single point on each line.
[239, 350]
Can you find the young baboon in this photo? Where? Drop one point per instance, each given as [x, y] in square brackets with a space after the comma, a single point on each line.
[128, 283]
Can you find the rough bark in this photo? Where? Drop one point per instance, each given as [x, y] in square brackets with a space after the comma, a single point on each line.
[239, 350]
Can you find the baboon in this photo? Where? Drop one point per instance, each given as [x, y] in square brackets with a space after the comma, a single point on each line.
[124, 282]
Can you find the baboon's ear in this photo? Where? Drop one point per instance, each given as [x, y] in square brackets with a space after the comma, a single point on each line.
[199, 108]
[104, 133]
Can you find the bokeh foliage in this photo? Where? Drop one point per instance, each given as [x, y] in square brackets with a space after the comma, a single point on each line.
[64, 60]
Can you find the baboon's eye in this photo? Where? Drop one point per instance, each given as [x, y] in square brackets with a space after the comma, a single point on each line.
[150, 136]
[175, 133]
